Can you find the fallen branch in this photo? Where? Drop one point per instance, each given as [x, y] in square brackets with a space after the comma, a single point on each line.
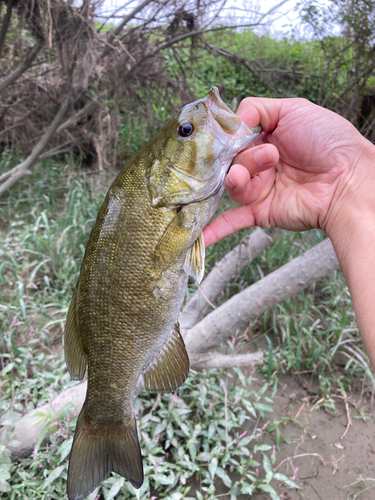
[28, 429]
[15, 174]
[223, 272]
[236, 313]
[217, 360]
[283, 283]
[24, 66]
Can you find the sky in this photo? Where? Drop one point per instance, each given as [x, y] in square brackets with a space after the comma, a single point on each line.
[283, 19]
[282, 22]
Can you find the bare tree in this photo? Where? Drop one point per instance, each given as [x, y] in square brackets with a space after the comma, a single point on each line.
[65, 91]
[346, 33]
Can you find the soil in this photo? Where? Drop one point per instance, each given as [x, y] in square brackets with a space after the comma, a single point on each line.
[325, 457]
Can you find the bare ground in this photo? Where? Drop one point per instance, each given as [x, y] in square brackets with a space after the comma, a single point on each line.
[326, 457]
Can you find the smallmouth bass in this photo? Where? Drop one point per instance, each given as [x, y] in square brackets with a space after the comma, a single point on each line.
[122, 320]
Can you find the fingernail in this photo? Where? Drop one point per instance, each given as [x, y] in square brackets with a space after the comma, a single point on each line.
[229, 182]
[263, 156]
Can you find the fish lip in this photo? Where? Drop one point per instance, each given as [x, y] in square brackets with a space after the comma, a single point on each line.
[215, 95]
[258, 130]
[216, 101]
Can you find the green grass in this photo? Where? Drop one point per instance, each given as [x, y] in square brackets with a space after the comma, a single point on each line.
[191, 440]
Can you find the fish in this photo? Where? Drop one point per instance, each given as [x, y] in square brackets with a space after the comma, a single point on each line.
[122, 322]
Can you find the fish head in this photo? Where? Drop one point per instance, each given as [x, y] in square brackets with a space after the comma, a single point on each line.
[193, 152]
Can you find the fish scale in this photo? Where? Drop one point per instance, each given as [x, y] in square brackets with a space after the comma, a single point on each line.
[122, 320]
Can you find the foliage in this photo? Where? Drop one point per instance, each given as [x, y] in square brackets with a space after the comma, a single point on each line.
[210, 436]
[191, 441]
[266, 67]
[44, 231]
[348, 74]
[41, 253]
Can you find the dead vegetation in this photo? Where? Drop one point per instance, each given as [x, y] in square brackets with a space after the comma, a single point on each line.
[64, 69]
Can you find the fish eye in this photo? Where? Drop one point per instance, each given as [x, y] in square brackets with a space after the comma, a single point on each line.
[186, 128]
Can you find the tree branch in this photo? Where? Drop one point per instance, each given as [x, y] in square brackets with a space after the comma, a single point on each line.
[21, 121]
[24, 66]
[238, 59]
[14, 175]
[121, 26]
[63, 148]
[283, 283]
[224, 271]
[5, 26]
[82, 112]
[21, 170]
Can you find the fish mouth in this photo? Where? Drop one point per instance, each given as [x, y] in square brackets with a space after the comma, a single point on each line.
[214, 96]
[257, 129]
[230, 123]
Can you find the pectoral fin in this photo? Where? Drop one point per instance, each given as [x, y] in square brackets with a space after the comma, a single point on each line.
[171, 368]
[177, 237]
[194, 261]
[75, 357]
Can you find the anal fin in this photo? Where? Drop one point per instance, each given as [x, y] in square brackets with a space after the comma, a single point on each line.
[171, 367]
[194, 261]
[73, 347]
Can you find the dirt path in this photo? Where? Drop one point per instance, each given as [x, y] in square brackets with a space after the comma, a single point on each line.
[328, 459]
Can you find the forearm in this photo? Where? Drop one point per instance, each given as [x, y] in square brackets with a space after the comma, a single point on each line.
[353, 237]
[357, 260]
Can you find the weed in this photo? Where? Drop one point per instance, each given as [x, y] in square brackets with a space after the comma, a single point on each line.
[193, 441]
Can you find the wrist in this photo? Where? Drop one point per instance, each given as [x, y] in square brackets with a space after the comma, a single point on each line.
[353, 204]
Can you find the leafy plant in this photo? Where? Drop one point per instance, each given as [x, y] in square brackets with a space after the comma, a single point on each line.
[193, 443]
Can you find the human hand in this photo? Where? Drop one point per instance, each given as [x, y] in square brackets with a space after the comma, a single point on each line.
[306, 166]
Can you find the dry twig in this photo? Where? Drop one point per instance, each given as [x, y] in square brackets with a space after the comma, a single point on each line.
[349, 419]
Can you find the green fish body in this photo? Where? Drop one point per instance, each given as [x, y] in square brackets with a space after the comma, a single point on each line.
[122, 320]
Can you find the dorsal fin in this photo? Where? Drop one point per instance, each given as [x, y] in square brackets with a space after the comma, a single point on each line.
[171, 367]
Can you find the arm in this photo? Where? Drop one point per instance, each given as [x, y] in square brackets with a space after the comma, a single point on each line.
[352, 232]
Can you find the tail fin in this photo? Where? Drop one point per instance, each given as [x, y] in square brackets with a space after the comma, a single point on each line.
[97, 452]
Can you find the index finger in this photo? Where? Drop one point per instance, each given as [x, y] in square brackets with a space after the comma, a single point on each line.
[228, 223]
